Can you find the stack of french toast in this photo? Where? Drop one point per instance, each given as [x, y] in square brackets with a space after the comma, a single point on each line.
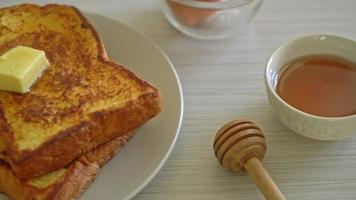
[55, 138]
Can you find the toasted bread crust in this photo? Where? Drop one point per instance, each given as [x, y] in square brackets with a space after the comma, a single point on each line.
[71, 185]
[102, 128]
[97, 128]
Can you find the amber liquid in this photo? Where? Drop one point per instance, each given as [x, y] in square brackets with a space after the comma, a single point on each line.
[321, 85]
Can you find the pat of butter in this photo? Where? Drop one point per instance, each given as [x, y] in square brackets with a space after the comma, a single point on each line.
[20, 67]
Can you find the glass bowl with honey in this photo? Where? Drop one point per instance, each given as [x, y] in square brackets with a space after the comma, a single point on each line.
[311, 85]
[210, 19]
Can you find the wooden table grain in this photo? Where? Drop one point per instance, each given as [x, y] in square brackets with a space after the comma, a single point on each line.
[223, 80]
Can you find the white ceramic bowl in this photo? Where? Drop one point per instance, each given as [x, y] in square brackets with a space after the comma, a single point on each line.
[311, 126]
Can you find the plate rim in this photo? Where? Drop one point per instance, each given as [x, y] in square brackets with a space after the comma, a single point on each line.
[180, 91]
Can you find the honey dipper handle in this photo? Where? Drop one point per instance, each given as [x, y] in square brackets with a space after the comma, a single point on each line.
[263, 180]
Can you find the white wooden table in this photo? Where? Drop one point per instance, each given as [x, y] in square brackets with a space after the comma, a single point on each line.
[223, 80]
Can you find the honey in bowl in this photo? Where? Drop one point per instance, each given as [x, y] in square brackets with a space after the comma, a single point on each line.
[322, 85]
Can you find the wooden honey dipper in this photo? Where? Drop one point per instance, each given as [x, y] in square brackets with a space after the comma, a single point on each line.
[241, 145]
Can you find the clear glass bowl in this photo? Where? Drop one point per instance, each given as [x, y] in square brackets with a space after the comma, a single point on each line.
[210, 19]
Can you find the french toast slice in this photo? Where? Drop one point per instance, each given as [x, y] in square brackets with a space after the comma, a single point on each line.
[65, 183]
[82, 100]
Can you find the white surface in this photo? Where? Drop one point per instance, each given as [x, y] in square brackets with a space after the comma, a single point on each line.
[223, 80]
[311, 126]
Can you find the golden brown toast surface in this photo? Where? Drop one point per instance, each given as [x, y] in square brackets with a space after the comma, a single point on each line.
[62, 184]
[82, 100]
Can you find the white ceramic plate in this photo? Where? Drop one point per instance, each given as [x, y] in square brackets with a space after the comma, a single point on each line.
[141, 159]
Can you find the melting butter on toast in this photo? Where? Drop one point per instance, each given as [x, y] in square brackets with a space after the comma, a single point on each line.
[83, 100]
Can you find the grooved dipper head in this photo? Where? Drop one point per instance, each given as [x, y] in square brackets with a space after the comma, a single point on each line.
[238, 141]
